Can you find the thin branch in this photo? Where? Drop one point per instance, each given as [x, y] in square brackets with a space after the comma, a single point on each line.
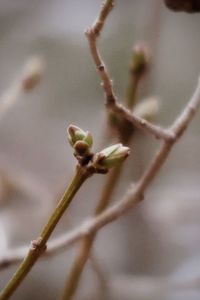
[30, 77]
[38, 246]
[132, 197]
[88, 164]
[92, 34]
[101, 276]
[140, 123]
[111, 100]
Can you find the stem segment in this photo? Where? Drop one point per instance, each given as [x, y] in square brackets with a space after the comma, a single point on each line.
[39, 246]
[87, 243]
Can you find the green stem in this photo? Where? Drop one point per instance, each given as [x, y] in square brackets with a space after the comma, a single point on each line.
[38, 246]
[132, 92]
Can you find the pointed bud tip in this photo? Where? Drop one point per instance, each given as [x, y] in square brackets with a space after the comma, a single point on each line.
[76, 134]
[111, 156]
[140, 59]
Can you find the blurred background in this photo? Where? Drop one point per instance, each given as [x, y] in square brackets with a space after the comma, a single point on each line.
[153, 252]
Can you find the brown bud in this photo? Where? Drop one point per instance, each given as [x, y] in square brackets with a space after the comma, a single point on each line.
[81, 148]
[190, 6]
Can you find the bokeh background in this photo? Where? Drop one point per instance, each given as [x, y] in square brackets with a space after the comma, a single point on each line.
[153, 252]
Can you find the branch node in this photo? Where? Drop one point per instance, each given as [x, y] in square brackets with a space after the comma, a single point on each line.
[38, 246]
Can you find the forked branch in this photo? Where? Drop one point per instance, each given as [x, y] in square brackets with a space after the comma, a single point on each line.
[133, 196]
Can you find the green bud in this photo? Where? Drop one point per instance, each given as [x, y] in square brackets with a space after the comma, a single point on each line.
[140, 60]
[111, 156]
[76, 134]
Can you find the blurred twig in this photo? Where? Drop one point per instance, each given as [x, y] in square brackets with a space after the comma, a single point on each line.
[101, 276]
[38, 246]
[29, 78]
[140, 123]
[112, 105]
[130, 199]
[88, 165]
[138, 67]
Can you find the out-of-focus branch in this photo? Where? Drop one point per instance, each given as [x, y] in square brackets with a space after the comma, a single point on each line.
[111, 102]
[38, 246]
[88, 165]
[140, 123]
[130, 199]
[101, 276]
[137, 69]
[29, 78]
[123, 129]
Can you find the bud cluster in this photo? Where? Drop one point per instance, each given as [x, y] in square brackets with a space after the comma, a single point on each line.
[102, 161]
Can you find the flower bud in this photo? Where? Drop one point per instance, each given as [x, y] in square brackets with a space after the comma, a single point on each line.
[32, 73]
[140, 60]
[76, 134]
[81, 148]
[111, 156]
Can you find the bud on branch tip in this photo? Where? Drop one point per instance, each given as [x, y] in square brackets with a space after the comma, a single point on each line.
[140, 60]
[102, 161]
[111, 156]
[77, 135]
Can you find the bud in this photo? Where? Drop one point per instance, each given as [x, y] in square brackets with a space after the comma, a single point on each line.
[140, 60]
[111, 156]
[190, 6]
[81, 148]
[76, 134]
[147, 109]
[32, 74]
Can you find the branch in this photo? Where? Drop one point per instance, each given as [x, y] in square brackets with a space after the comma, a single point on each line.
[31, 76]
[38, 246]
[111, 100]
[88, 164]
[92, 34]
[140, 123]
[131, 198]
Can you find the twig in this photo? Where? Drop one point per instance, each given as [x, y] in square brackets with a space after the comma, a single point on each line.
[140, 123]
[101, 276]
[111, 103]
[132, 197]
[92, 34]
[38, 246]
[30, 77]
[136, 192]
[88, 164]
[111, 100]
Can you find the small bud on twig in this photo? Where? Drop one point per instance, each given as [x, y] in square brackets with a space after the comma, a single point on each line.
[32, 73]
[137, 69]
[82, 142]
[76, 134]
[111, 156]
[140, 60]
